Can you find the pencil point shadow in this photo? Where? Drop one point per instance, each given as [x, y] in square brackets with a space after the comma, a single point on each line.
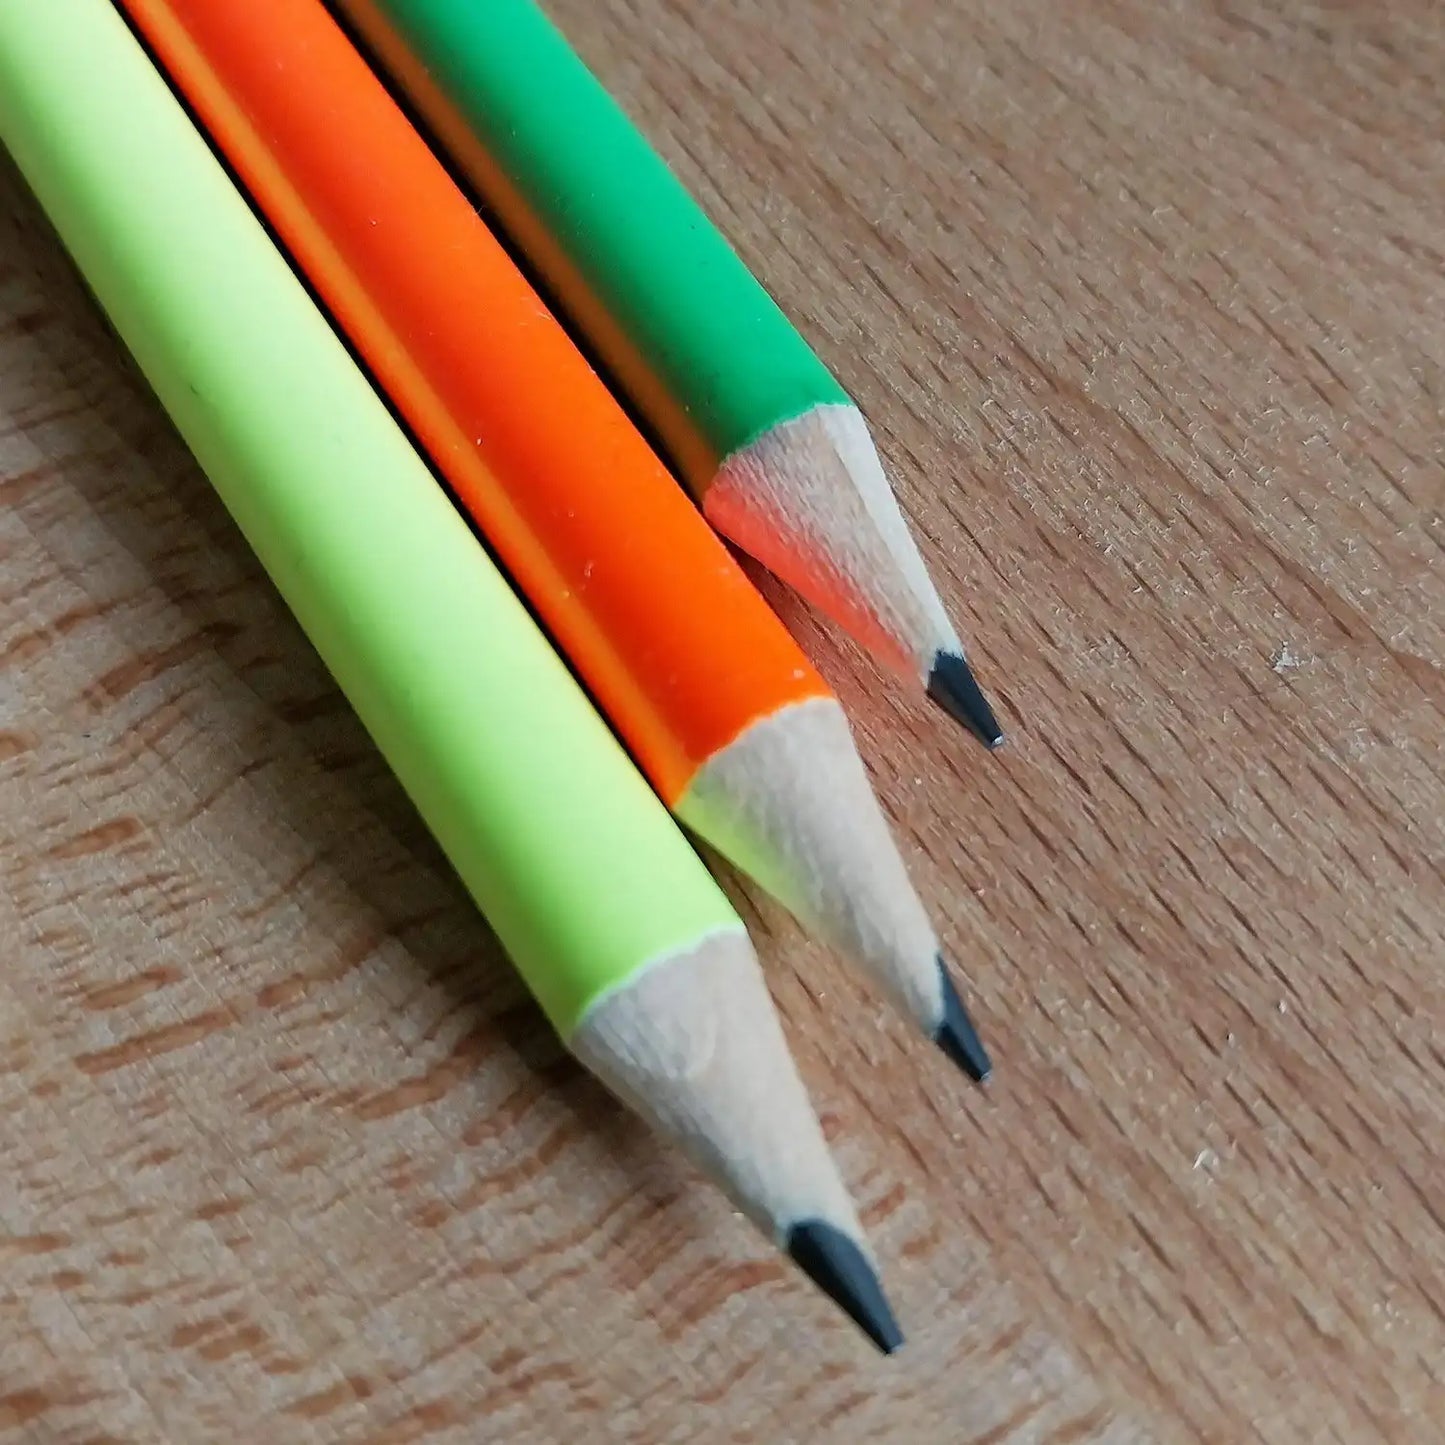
[871, 698]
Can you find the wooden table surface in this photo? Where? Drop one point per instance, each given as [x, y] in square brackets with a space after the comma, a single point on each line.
[1146, 303]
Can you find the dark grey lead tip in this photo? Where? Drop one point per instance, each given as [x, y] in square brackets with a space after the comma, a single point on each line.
[953, 687]
[956, 1035]
[838, 1267]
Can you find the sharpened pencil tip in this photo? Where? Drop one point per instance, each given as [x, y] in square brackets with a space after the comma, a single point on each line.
[956, 1035]
[838, 1267]
[954, 688]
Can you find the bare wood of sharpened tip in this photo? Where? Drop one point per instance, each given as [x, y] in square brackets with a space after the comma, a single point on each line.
[809, 499]
[694, 1046]
[827, 853]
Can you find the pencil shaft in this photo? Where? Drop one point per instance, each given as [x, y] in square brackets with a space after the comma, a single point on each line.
[663, 626]
[683, 654]
[700, 343]
[579, 869]
[755, 425]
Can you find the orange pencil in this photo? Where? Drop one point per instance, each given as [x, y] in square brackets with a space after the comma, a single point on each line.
[737, 732]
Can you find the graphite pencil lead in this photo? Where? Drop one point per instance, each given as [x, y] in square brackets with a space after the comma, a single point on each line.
[952, 685]
[840, 1269]
[957, 1036]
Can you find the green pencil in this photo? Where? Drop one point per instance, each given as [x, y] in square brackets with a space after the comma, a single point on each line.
[757, 427]
[629, 946]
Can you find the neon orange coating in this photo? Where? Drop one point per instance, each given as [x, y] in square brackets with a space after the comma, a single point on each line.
[676, 645]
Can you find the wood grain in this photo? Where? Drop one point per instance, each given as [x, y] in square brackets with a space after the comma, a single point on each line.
[1146, 302]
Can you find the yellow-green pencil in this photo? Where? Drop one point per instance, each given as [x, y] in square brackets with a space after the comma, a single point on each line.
[630, 948]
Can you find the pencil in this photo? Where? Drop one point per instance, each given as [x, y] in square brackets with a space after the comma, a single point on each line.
[757, 427]
[737, 732]
[626, 942]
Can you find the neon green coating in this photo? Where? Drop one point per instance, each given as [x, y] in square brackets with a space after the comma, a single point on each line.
[578, 867]
[709, 358]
